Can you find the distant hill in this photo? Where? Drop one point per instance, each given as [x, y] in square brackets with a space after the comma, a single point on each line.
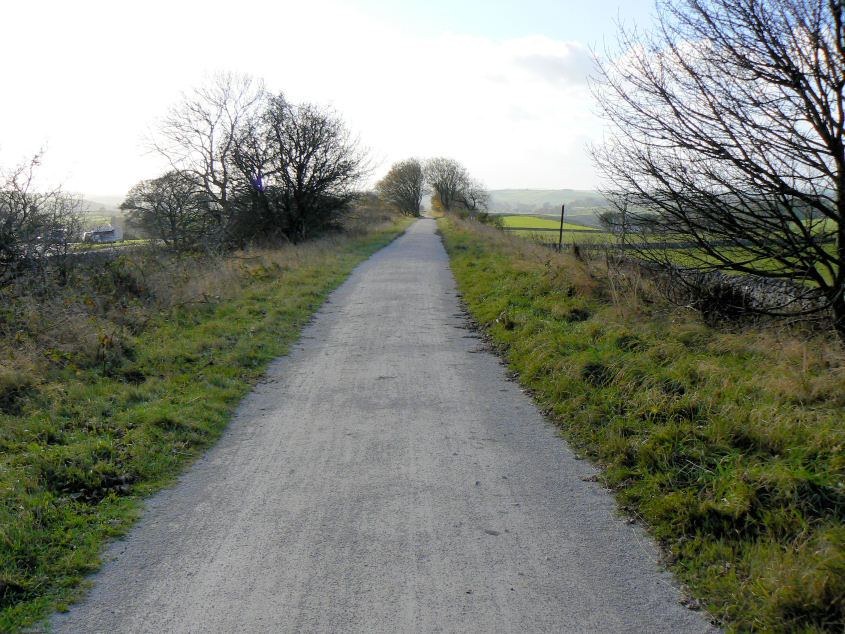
[101, 211]
[102, 203]
[582, 205]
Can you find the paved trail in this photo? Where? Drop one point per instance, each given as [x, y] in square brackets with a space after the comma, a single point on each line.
[386, 477]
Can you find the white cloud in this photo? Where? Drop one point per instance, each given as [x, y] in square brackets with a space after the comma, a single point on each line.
[96, 75]
[555, 61]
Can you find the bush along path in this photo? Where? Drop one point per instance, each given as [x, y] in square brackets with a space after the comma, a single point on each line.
[728, 444]
[81, 446]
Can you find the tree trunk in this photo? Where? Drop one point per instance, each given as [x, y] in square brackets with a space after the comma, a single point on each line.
[839, 319]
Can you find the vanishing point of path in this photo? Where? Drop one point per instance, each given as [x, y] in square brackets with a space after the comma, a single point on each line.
[385, 477]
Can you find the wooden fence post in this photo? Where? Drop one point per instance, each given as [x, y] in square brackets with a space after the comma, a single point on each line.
[560, 237]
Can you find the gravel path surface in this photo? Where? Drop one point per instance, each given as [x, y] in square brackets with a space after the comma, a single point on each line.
[385, 477]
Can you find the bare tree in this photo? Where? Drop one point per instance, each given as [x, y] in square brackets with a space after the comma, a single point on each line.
[474, 197]
[454, 187]
[266, 167]
[729, 133]
[403, 186]
[170, 208]
[312, 169]
[448, 179]
[200, 135]
[36, 226]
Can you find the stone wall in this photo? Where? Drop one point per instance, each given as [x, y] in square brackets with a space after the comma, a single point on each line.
[724, 295]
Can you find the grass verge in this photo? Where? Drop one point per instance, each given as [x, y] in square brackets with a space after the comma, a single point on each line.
[728, 445]
[85, 436]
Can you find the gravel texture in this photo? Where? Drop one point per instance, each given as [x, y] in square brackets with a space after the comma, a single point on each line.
[386, 476]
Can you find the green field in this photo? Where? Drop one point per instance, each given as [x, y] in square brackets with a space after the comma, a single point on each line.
[585, 205]
[540, 222]
[548, 222]
[686, 257]
[94, 246]
[727, 444]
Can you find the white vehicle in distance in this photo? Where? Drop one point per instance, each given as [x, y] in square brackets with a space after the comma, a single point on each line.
[103, 234]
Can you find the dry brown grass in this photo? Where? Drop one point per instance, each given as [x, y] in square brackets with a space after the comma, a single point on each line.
[592, 274]
[94, 315]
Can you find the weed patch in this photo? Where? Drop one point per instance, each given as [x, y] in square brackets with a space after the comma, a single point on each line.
[14, 385]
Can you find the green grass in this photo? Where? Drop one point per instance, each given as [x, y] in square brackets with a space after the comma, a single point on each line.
[550, 237]
[80, 448]
[536, 222]
[93, 246]
[697, 258]
[729, 446]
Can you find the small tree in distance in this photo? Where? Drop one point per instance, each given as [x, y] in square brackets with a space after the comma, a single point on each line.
[474, 197]
[403, 186]
[448, 179]
[169, 208]
[454, 188]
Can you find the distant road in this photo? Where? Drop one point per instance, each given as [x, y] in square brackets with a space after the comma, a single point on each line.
[386, 477]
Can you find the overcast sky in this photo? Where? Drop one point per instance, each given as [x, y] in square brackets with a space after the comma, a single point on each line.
[498, 85]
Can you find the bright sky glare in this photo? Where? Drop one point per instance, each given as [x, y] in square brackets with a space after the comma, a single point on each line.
[499, 85]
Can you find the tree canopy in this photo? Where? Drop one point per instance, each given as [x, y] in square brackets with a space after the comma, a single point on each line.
[263, 166]
[453, 185]
[403, 186]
